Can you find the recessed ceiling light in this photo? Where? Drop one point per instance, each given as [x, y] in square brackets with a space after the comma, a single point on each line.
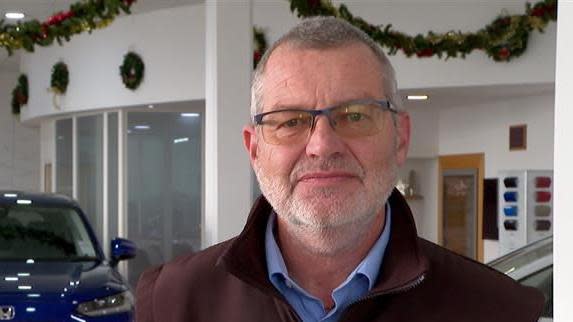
[190, 114]
[180, 140]
[417, 97]
[14, 15]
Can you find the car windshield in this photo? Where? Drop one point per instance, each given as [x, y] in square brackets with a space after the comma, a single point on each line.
[43, 233]
[524, 256]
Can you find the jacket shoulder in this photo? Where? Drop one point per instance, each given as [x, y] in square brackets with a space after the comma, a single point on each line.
[157, 284]
[482, 287]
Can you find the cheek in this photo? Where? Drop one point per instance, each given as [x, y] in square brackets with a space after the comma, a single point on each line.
[375, 154]
[276, 162]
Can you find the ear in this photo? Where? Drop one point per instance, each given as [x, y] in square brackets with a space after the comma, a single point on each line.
[250, 141]
[403, 139]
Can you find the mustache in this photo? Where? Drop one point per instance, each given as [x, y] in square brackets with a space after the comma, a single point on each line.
[306, 165]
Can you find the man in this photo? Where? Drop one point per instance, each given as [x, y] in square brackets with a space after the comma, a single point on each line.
[331, 240]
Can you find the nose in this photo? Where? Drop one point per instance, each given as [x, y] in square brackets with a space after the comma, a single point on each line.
[323, 141]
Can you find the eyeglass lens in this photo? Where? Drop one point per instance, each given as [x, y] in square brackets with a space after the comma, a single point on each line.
[349, 120]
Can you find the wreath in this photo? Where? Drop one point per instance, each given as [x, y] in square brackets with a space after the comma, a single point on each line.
[20, 94]
[60, 78]
[132, 70]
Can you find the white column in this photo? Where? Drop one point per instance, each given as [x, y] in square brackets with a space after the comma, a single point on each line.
[105, 192]
[228, 71]
[563, 166]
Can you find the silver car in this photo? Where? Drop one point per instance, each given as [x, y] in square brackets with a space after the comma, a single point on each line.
[532, 265]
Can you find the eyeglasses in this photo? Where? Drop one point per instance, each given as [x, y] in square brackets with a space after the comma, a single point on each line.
[353, 119]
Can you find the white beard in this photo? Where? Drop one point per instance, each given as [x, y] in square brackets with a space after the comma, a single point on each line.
[324, 223]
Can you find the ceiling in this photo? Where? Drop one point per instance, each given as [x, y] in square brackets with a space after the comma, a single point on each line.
[42, 9]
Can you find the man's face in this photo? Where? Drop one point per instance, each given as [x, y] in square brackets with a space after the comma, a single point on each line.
[326, 181]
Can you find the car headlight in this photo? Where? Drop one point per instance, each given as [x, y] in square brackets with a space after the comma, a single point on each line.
[118, 303]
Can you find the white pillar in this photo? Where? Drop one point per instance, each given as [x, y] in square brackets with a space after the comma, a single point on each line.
[563, 166]
[228, 72]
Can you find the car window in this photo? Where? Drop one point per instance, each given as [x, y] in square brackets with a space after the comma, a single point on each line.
[543, 281]
[44, 233]
[524, 256]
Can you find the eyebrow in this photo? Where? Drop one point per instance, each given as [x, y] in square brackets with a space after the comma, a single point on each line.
[299, 107]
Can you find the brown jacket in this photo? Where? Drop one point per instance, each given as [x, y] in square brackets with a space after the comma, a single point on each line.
[418, 281]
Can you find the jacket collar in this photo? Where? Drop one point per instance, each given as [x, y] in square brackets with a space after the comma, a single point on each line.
[403, 262]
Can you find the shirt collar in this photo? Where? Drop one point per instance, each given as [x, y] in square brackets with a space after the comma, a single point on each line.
[275, 262]
[372, 263]
[370, 266]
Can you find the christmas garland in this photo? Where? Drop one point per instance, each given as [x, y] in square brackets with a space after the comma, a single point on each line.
[503, 39]
[260, 45]
[60, 78]
[20, 94]
[132, 70]
[82, 16]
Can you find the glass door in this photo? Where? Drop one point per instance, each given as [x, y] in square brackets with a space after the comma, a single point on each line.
[460, 211]
[164, 186]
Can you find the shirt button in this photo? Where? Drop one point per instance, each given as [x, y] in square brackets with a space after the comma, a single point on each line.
[288, 284]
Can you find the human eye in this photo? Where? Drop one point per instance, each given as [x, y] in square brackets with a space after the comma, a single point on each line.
[355, 117]
[292, 120]
[353, 114]
[292, 123]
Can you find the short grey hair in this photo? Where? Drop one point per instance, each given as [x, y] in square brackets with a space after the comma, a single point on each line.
[326, 33]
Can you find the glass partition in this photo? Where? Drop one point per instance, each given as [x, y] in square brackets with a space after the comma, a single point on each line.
[164, 186]
[163, 179]
[64, 157]
[90, 169]
[112, 175]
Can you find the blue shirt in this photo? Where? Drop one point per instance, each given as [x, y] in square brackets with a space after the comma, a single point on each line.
[356, 285]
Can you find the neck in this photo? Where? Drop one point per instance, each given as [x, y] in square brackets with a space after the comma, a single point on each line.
[319, 261]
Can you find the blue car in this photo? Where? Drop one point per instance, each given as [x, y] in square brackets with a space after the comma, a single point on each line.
[52, 268]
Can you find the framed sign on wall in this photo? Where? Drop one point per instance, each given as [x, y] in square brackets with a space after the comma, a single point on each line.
[518, 137]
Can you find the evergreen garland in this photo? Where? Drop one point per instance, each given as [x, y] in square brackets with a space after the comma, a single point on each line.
[503, 39]
[60, 78]
[20, 94]
[260, 45]
[83, 16]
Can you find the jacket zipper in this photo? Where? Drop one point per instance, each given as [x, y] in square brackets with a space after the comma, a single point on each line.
[397, 290]
[402, 289]
[407, 287]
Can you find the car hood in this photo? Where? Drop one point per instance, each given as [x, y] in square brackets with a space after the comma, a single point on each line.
[59, 280]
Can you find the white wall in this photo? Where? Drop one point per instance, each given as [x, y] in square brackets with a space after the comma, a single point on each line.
[170, 41]
[425, 209]
[485, 129]
[424, 137]
[19, 144]
[537, 65]
[563, 175]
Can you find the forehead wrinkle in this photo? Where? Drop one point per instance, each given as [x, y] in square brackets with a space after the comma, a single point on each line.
[284, 91]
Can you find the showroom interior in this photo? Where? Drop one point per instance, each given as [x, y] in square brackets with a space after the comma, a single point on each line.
[164, 165]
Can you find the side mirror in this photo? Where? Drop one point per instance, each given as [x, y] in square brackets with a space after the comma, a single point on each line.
[121, 249]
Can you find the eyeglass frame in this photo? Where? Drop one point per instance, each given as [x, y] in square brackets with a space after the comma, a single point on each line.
[381, 103]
